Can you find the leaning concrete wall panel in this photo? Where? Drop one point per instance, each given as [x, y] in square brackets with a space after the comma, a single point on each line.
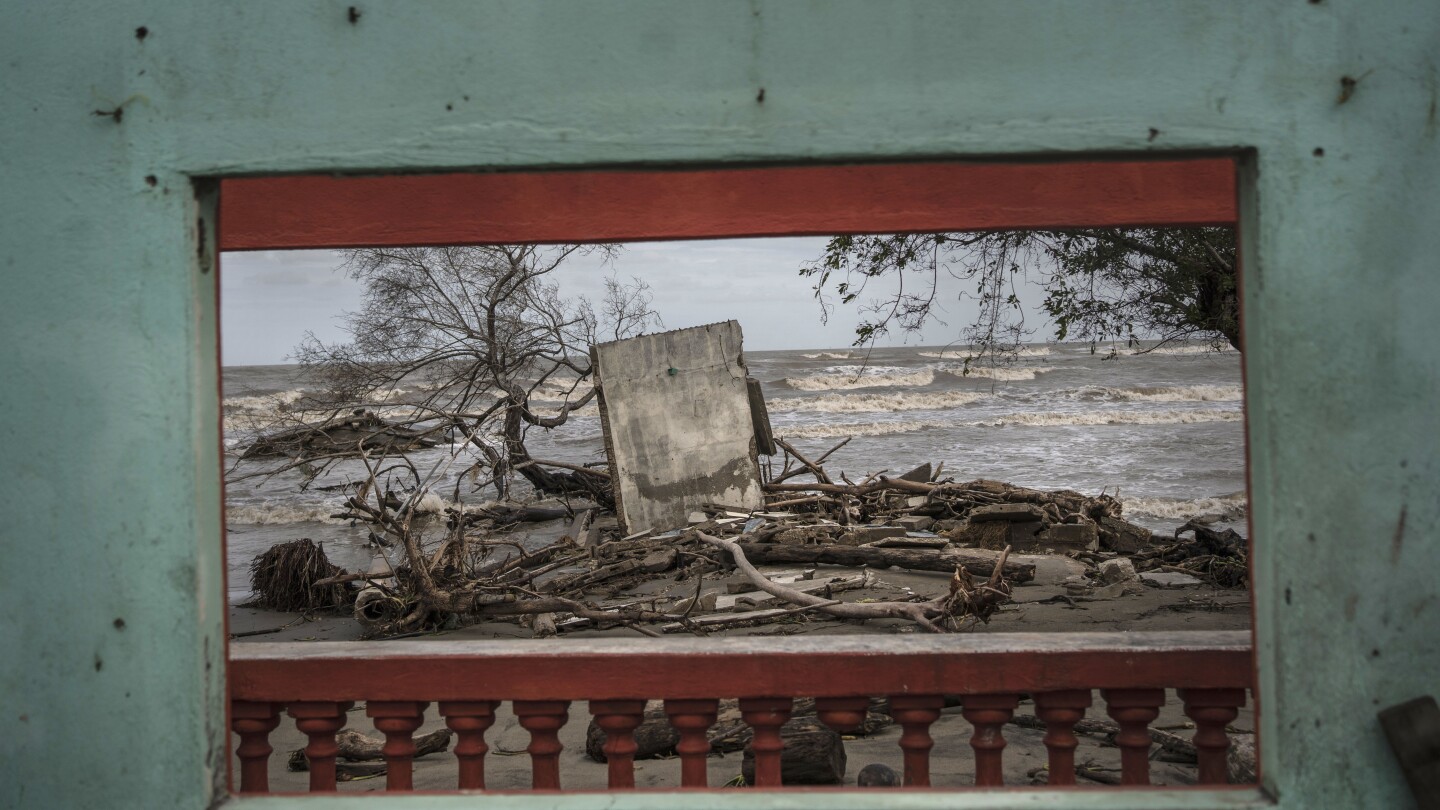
[677, 424]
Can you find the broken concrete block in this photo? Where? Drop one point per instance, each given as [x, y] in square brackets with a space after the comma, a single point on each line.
[678, 426]
[659, 560]
[807, 535]
[1169, 579]
[1009, 512]
[917, 501]
[914, 523]
[696, 517]
[705, 604]
[1025, 536]
[1122, 535]
[994, 535]
[1071, 537]
[1117, 570]
[1116, 590]
[860, 535]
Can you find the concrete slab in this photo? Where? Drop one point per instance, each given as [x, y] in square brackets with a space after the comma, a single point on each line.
[675, 409]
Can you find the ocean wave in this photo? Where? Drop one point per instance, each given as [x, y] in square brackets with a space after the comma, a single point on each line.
[1164, 393]
[961, 354]
[1001, 373]
[1110, 418]
[1228, 507]
[262, 402]
[1187, 349]
[874, 403]
[824, 431]
[827, 356]
[868, 379]
[274, 513]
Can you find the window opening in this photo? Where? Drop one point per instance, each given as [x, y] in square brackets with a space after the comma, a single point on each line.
[1146, 418]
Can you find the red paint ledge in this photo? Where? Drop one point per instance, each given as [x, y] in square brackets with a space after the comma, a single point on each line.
[737, 667]
[314, 211]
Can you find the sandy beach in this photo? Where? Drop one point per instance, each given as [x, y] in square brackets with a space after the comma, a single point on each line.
[1035, 608]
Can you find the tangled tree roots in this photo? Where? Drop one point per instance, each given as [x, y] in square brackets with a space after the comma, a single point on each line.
[284, 578]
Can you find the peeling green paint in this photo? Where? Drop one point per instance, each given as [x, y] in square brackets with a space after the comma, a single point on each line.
[108, 404]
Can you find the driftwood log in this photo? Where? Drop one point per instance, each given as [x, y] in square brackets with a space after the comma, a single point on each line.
[654, 737]
[916, 559]
[357, 747]
[813, 755]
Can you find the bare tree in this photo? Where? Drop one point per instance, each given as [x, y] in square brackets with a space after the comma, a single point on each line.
[472, 338]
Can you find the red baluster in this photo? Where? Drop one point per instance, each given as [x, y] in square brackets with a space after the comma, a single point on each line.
[766, 716]
[1061, 711]
[693, 719]
[397, 720]
[253, 722]
[989, 714]
[619, 719]
[319, 720]
[543, 719]
[1133, 710]
[842, 714]
[915, 714]
[469, 720]
[1212, 710]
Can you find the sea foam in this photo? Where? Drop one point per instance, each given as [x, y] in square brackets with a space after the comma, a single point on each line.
[823, 431]
[961, 354]
[1229, 507]
[1163, 393]
[1000, 373]
[874, 403]
[1110, 418]
[867, 379]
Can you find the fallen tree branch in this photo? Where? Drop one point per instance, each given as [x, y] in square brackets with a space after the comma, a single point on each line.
[916, 559]
[922, 613]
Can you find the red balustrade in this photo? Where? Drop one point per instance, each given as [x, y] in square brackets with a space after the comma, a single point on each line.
[988, 714]
[692, 718]
[317, 684]
[469, 719]
[1060, 711]
[766, 716]
[915, 714]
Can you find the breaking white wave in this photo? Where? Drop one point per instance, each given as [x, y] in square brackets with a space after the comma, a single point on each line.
[1001, 373]
[822, 431]
[1228, 507]
[272, 513]
[262, 402]
[875, 403]
[867, 379]
[1165, 393]
[827, 356]
[961, 354]
[1110, 418]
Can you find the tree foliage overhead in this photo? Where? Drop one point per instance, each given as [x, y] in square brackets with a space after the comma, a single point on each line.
[469, 337]
[1101, 284]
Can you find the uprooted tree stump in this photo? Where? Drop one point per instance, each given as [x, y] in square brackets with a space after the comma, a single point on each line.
[285, 577]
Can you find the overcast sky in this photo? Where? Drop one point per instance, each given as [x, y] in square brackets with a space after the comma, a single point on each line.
[270, 299]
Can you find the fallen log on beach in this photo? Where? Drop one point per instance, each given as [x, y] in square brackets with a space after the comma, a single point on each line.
[916, 559]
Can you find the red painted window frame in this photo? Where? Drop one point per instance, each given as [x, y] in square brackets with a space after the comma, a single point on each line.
[312, 211]
[623, 205]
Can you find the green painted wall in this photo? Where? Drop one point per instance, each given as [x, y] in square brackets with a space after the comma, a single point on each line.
[108, 405]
